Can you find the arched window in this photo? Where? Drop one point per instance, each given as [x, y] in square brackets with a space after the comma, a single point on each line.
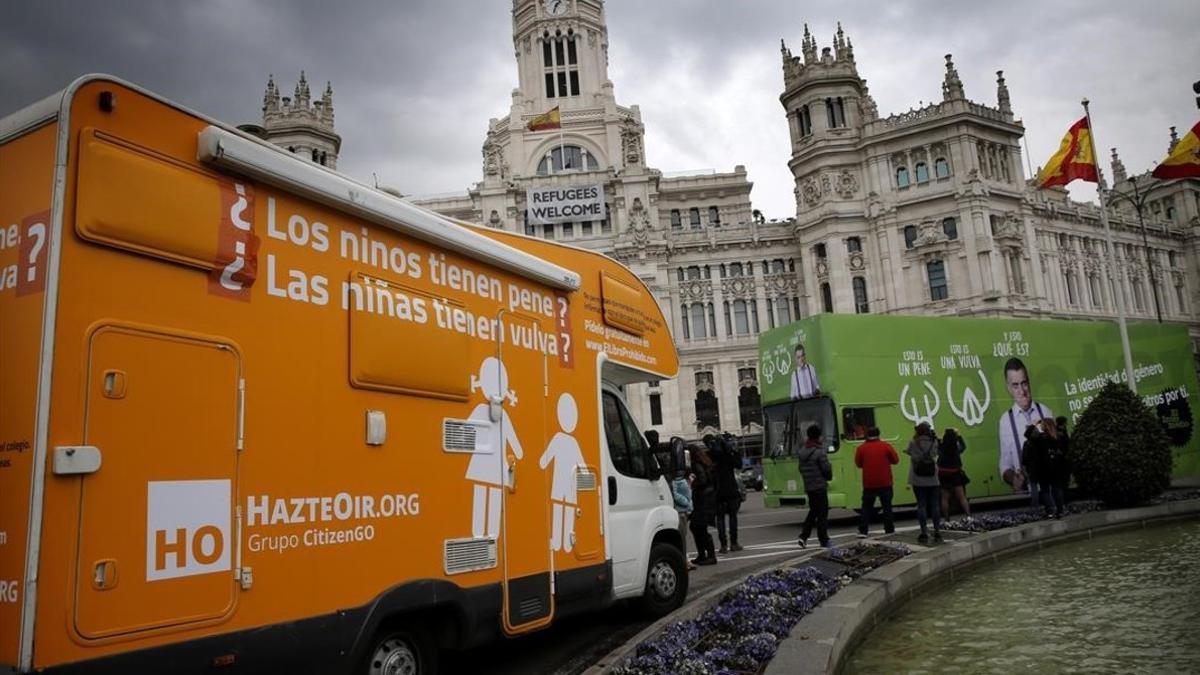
[938, 289]
[676, 220]
[827, 297]
[577, 159]
[910, 236]
[902, 177]
[941, 168]
[922, 172]
[714, 216]
[735, 269]
[694, 217]
[1170, 213]
[805, 121]
[861, 304]
[853, 245]
[950, 228]
[693, 272]
[1094, 285]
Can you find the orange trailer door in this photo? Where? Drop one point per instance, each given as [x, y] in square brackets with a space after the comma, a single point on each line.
[157, 537]
[526, 535]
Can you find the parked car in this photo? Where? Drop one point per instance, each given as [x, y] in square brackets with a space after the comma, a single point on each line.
[752, 478]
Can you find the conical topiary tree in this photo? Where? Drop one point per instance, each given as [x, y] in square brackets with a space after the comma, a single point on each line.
[1119, 452]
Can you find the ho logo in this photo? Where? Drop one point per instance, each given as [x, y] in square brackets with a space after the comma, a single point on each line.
[187, 528]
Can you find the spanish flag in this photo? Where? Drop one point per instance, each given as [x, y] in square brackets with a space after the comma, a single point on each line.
[1184, 160]
[1074, 159]
[547, 120]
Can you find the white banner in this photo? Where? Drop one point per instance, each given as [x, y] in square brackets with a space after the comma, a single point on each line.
[560, 204]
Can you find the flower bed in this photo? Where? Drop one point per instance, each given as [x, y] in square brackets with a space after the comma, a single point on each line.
[740, 633]
[986, 522]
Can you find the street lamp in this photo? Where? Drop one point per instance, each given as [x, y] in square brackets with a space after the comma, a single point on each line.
[1138, 200]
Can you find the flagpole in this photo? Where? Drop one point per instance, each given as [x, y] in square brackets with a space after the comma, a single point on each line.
[1112, 256]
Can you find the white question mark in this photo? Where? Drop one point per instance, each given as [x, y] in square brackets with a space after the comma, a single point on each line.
[37, 230]
[562, 311]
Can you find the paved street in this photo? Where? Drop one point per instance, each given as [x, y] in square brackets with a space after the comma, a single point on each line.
[768, 535]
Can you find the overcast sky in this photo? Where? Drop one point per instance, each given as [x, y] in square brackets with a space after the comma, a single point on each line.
[415, 81]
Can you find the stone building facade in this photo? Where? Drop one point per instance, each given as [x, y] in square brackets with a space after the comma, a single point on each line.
[300, 124]
[926, 211]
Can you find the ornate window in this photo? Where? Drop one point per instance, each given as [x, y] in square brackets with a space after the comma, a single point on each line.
[938, 289]
[861, 304]
[827, 298]
[835, 112]
[699, 325]
[576, 159]
[560, 64]
[1171, 260]
[708, 413]
[676, 220]
[910, 236]
[922, 172]
[853, 245]
[694, 216]
[749, 403]
[735, 269]
[902, 177]
[1072, 291]
[1094, 286]
[819, 251]
[941, 168]
[805, 119]
[950, 228]
[656, 416]
[714, 216]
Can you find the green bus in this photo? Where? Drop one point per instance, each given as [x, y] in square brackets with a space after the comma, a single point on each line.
[847, 373]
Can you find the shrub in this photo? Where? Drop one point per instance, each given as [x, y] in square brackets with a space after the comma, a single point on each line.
[1119, 452]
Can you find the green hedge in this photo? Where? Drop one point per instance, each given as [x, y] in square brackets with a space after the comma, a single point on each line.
[1119, 452]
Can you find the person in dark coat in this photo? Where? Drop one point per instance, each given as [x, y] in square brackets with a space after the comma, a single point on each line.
[950, 471]
[1038, 455]
[816, 472]
[704, 505]
[922, 476]
[729, 498]
[1062, 472]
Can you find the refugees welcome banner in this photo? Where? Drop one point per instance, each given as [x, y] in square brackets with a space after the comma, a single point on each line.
[562, 203]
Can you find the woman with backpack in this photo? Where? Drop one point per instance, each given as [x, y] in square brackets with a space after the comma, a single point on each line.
[704, 505]
[950, 471]
[923, 477]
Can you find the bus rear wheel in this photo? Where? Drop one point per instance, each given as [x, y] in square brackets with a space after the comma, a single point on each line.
[401, 649]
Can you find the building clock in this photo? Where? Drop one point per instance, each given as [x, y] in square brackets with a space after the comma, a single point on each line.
[556, 7]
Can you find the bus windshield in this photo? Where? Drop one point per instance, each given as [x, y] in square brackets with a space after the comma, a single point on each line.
[787, 424]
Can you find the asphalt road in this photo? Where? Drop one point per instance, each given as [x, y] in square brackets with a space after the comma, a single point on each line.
[571, 646]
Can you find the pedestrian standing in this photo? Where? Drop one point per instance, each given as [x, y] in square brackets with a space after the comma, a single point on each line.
[876, 459]
[729, 498]
[681, 493]
[704, 505]
[816, 472]
[922, 476]
[1039, 462]
[951, 474]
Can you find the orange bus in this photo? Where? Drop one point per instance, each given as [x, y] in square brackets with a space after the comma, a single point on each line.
[257, 416]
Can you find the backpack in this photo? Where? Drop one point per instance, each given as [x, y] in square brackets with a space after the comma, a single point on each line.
[925, 467]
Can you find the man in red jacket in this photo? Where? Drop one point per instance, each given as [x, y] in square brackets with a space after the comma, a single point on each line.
[876, 458]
